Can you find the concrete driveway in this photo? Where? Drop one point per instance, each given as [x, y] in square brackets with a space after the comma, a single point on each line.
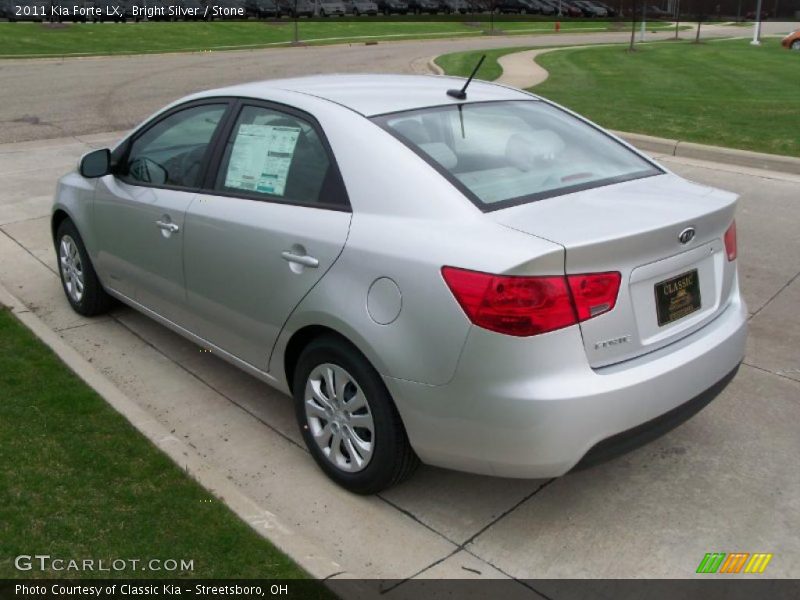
[725, 481]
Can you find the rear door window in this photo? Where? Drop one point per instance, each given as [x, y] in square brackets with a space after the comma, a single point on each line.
[272, 155]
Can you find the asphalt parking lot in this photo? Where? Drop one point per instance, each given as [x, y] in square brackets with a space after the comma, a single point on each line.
[726, 481]
[51, 98]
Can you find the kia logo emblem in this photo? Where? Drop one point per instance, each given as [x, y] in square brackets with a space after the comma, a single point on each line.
[686, 236]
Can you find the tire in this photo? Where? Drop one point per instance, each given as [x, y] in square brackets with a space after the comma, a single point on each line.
[93, 299]
[389, 458]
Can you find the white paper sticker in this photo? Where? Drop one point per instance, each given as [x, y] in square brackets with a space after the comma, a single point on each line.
[261, 157]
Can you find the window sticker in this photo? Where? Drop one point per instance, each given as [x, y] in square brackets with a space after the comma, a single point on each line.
[261, 157]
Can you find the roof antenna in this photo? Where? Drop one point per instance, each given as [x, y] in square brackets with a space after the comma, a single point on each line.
[462, 93]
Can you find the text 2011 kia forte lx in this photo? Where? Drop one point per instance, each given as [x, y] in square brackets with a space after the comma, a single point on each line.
[488, 283]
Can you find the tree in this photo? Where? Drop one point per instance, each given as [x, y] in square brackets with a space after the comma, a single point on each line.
[633, 27]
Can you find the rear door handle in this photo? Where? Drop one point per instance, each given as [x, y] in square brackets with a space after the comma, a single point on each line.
[307, 261]
[171, 227]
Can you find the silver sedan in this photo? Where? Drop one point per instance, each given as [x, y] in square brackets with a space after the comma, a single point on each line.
[482, 281]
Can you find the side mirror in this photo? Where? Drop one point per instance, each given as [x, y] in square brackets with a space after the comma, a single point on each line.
[96, 164]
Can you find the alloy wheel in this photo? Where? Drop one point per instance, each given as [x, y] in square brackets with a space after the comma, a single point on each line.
[71, 268]
[339, 417]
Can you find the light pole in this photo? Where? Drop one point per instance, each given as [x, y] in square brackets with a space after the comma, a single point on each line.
[757, 26]
[644, 22]
[296, 32]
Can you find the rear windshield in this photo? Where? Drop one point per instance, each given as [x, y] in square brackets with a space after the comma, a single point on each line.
[506, 153]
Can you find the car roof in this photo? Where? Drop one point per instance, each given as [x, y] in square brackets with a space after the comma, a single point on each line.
[372, 95]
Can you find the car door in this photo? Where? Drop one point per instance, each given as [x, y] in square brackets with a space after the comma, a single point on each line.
[139, 210]
[273, 221]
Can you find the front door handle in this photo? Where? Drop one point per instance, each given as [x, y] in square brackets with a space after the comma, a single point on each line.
[305, 260]
[164, 226]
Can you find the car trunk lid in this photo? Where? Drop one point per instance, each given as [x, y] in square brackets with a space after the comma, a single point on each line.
[634, 228]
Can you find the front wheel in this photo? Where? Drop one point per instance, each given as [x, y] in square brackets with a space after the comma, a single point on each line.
[348, 419]
[78, 278]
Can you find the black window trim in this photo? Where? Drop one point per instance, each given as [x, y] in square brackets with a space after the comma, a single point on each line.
[126, 146]
[382, 121]
[223, 137]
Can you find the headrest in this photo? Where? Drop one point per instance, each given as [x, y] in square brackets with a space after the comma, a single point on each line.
[524, 150]
[412, 130]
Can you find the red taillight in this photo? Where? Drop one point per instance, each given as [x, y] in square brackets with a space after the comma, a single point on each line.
[730, 241]
[524, 306]
[594, 294]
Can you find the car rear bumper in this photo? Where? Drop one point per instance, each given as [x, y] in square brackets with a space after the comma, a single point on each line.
[533, 407]
[638, 436]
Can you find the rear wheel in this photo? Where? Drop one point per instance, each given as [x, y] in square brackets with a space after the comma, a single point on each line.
[348, 419]
[78, 278]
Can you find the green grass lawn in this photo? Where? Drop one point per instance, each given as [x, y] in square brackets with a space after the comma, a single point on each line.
[35, 39]
[77, 481]
[462, 63]
[723, 93]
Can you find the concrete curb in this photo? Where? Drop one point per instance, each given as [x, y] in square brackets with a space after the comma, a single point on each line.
[267, 524]
[435, 69]
[680, 148]
[719, 154]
